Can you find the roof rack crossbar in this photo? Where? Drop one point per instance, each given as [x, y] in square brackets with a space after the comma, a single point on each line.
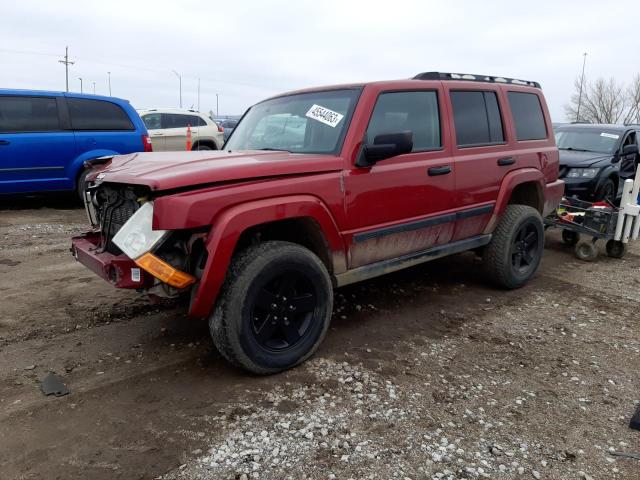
[474, 78]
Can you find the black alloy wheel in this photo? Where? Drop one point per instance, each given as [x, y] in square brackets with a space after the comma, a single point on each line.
[282, 311]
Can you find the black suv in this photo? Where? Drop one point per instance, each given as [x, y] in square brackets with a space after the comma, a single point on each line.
[595, 159]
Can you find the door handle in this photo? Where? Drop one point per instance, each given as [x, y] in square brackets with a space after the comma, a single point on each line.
[4, 142]
[503, 162]
[444, 170]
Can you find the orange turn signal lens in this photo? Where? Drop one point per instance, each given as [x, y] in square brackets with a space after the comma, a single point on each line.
[165, 272]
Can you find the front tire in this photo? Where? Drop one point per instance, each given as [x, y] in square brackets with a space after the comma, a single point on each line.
[607, 191]
[515, 250]
[274, 309]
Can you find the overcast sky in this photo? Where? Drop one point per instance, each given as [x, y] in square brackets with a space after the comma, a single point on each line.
[248, 50]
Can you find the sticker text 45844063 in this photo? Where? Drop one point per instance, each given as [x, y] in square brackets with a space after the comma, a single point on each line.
[324, 115]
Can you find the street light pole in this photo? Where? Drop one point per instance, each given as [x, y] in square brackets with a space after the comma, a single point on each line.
[198, 94]
[109, 75]
[94, 88]
[217, 111]
[584, 61]
[80, 78]
[180, 81]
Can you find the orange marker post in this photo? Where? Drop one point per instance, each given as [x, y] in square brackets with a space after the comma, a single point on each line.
[188, 137]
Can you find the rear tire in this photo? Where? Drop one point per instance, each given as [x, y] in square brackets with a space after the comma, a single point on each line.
[586, 251]
[515, 250]
[274, 309]
[203, 147]
[616, 249]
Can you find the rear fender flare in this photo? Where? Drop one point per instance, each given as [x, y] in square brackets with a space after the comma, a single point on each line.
[232, 222]
[510, 181]
[77, 165]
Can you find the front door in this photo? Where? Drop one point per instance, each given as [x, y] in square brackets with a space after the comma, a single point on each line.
[402, 204]
[34, 149]
[153, 122]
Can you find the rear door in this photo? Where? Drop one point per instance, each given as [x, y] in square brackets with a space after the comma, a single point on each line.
[481, 151]
[35, 149]
[102, 127]
[403, 204]
[175, 130]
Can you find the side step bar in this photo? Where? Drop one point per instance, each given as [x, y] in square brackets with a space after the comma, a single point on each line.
[393, 264]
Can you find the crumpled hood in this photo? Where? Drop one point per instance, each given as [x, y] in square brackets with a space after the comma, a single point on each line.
[170, 170]
[571, 158]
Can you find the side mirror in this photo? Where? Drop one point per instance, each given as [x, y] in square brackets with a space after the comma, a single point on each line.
[629, 150]
[385, 145]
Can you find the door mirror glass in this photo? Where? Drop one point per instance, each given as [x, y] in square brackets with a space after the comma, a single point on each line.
[629, 150]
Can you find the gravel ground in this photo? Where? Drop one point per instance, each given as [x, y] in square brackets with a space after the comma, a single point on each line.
[426, 373]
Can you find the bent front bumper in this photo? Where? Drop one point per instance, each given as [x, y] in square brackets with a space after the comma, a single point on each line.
[119, 270]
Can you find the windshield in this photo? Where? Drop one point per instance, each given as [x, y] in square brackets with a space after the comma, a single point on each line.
[587, 140]
[313, 122]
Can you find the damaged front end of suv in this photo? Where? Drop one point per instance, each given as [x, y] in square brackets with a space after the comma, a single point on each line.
[125, 249]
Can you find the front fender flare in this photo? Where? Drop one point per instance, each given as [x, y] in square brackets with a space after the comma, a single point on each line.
[232, 222]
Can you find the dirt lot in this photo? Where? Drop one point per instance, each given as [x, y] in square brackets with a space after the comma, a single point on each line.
[427, 373]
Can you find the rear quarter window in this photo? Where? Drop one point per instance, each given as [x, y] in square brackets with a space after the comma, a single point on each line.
[28, 114]
[527, 116]
[97, 115]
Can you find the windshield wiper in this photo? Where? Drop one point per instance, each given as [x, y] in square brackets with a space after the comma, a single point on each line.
[574, 149]
[268, 149]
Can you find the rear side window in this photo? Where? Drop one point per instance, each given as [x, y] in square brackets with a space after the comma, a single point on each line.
[28, 114]
[477, 118]
[417, 112]
[97, 115]
[527, 116]
[178, 120]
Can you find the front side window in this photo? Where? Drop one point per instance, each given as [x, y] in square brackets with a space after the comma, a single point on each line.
[415, 111]
[527, 116]
[477, 118]
[97, 115]
[152, 121]
[314, 122]
[28, 114]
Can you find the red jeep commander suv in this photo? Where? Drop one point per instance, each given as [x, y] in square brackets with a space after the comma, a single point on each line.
[320, 188]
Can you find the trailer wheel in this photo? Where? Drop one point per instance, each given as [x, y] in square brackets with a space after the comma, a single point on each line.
[586, 251]
[616, 249]
[570, 237]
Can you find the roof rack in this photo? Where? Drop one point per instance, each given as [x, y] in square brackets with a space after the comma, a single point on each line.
[473, 78]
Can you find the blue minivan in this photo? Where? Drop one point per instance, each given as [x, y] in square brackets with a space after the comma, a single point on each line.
[46, 137]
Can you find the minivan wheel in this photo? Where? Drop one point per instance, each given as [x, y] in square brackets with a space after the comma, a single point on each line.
[274, 308]
[81, 184]
[515, 250]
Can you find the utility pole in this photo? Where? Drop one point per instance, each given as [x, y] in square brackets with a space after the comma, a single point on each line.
[198, 94]
[109, 75]
[584, 61]
[80, 78]
[94, 88]
[217, 111]
[66, 63]
[180, 80]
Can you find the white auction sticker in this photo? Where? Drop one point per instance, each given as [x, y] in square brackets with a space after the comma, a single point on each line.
[324, 115]
[610, 135]
[135, 274]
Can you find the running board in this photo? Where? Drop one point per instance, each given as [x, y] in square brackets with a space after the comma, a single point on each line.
[393, 264]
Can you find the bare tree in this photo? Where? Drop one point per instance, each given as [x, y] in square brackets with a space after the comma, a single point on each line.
[603, 101]
[633, 100]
